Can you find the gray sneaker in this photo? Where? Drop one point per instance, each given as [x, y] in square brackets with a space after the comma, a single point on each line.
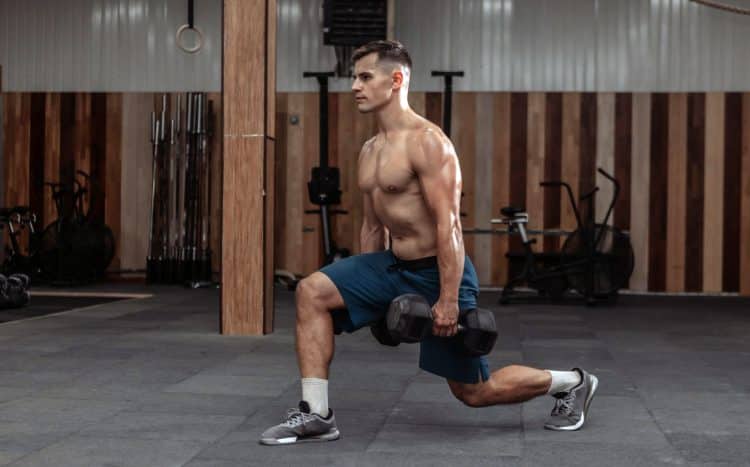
[301, 426]
[572, 407]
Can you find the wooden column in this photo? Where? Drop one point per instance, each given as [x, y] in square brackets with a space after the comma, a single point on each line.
[247, 223]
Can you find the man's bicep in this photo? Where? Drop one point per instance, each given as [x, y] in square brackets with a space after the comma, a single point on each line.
[368, 211]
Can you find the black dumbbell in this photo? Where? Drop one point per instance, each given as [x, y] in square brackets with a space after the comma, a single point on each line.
[25, 280]
[409, 319]
[4, 299]
[17, 293]
[380, 331]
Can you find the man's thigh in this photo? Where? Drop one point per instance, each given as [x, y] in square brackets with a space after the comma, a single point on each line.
[366, 286]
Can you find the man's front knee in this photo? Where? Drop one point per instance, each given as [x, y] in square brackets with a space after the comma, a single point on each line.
[309, 289]
[310, 295]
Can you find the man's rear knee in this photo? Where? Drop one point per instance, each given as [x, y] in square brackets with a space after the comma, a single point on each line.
[469, 394]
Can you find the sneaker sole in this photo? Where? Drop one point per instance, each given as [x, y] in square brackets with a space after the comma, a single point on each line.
[577, 426]
[330, 436]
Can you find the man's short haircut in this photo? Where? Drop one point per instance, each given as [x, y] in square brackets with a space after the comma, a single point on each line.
[392, 51]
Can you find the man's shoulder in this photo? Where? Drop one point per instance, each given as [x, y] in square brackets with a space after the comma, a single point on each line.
[431, 140]
[425, 132]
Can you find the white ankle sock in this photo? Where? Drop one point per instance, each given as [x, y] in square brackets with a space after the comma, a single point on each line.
[315, 393]
[563, 381]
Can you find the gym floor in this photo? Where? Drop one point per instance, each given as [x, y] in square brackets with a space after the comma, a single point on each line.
[150, 382]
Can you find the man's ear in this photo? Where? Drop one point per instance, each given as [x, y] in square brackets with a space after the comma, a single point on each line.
[398, 79]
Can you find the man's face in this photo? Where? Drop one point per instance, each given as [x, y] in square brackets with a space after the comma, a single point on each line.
[373, 83]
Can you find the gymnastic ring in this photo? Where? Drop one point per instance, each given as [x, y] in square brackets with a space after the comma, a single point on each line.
[199, 42]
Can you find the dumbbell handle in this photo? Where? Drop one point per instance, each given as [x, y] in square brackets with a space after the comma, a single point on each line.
[461, 327]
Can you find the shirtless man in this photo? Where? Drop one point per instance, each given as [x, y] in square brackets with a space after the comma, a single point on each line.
[410, 179]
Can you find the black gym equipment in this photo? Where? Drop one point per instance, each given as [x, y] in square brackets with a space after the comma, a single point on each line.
[180, 223]
[324, 187]
[14, 291]
[16, 221]
[409, 320]
[76, 248]
[596, 259]
[447, 97]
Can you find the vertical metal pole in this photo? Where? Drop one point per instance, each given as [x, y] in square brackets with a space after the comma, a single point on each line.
[323, 126]
[448, 105]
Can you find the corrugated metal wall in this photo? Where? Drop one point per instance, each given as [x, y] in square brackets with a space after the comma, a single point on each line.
[517, 45]
[544, 45]
[106, 45]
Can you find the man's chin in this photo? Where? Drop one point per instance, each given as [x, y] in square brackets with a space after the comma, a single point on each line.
[364, 109]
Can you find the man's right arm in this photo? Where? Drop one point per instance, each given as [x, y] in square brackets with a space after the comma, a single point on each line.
[372, 235]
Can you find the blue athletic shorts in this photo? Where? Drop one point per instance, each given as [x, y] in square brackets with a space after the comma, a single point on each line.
[370, 281]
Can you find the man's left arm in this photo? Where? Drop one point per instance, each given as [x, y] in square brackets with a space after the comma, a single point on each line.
[439, 175]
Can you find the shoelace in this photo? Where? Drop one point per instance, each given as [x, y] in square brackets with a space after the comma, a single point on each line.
[295, 418]
[564, 404]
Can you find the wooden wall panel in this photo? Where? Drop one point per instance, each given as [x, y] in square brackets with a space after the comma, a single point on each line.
[69, 143]
[675, 155]
[571, 154]
[463, 126]
[657, 219]
[37, 144]
[640, 176]
[135, 209]
[587, 173]
[605, 152]
[17, 131]
[535, 159]
[217, 168]
[295, 188]
[113, 171]
[483, 185]
[732, 181]
[434, 107]
[623, 155]
[676, 192]
[694, 218]
[552, 166]
[81, 155]
[282, 206]
[97, 152]
[312, 236]
[417, 101]
[51, 156]
[744, 245]
[713, 220]
[348, 149]
[518, 145]
[501, 176]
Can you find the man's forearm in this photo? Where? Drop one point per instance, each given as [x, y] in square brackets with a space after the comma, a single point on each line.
[451, 256]
[372, 239]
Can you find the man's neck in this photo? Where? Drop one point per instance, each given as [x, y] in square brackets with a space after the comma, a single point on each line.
[394, 116]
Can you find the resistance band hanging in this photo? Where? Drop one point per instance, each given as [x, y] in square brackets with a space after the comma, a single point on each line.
[190, 26]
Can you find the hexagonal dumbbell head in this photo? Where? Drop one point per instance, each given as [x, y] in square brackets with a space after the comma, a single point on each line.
[409, 318]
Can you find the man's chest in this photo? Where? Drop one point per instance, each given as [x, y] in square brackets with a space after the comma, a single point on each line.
[386, 168]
